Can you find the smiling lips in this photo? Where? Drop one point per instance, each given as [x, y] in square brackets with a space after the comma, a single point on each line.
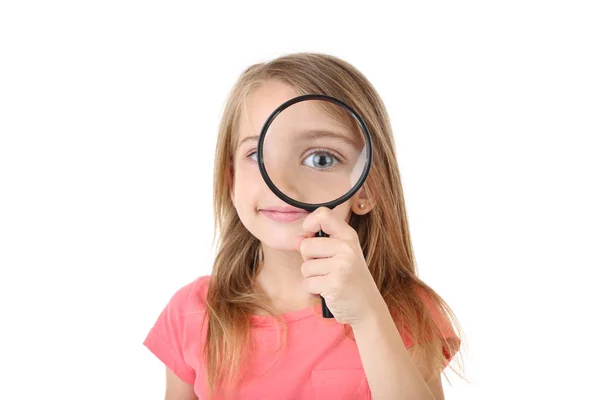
[283, 213]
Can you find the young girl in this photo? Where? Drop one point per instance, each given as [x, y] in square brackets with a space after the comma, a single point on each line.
[253, 328]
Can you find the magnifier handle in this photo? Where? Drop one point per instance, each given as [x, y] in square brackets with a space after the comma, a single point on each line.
[326, 312]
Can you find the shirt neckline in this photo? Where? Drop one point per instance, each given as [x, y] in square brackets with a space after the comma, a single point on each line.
[292, 316]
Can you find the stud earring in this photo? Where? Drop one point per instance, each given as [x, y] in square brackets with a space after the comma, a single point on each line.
[361, 206]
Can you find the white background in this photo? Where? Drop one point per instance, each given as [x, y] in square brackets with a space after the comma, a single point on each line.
[108, 121]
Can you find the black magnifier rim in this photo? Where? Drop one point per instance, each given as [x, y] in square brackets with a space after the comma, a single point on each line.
[309, 206]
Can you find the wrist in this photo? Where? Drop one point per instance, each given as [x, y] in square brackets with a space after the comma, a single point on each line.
[377, 314]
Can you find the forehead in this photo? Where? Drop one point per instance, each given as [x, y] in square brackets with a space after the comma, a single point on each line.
[311, 115]
[259, 104]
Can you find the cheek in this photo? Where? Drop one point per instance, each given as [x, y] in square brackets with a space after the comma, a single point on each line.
[247, 182]
[343, 211]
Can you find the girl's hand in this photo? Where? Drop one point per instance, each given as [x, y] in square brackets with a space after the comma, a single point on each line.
[335, 268]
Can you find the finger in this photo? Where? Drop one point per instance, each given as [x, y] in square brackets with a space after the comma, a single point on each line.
[315, 284]
[318, 267]
[317, 247]
[299, 240]
[324, 219]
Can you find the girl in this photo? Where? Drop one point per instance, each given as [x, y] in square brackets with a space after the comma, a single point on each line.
[253, 328]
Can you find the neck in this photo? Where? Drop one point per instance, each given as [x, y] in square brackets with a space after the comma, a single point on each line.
[281, 280]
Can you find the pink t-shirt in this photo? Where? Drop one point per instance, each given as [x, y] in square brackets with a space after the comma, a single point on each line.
[319, 361]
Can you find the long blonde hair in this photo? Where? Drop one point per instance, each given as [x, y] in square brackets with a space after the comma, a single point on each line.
[383, 232]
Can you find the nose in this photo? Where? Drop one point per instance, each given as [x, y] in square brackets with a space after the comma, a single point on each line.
[286, 181]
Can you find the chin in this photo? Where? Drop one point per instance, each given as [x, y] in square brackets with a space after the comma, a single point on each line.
[277, 239]
[280, 245]
[274, 235]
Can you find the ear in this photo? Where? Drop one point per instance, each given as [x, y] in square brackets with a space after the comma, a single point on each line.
[362, 203]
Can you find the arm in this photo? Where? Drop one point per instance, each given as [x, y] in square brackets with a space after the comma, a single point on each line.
[389, 366]
[433, 379]
[177, 389]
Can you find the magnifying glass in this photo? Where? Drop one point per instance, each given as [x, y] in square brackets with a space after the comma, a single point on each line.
[314, 151]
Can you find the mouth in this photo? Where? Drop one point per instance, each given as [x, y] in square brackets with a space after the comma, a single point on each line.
[283, 213]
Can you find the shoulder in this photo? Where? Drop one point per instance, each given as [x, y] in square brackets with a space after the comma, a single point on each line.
[191, 297]
[182, 314]
[437, 310]
[428, 306]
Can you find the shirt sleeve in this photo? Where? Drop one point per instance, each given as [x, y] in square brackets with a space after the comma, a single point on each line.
[165, 339]
[443, 323]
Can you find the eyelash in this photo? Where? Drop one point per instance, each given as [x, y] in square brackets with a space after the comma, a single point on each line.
[312, 151]
[339, 158]
[249, 155]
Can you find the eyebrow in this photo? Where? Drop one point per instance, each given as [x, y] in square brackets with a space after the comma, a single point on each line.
[310, 134]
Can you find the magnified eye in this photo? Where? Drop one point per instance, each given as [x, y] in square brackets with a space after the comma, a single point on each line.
[321, 160]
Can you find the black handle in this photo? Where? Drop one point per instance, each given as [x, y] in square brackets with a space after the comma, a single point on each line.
[326, 312]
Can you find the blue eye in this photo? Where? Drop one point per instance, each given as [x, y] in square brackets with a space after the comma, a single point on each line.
[321, 160]
[253, 156]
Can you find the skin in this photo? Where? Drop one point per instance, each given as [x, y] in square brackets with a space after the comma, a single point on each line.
[298, 267]
[280, 277]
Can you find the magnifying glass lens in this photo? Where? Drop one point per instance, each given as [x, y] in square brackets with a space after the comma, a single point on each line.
[314, 152]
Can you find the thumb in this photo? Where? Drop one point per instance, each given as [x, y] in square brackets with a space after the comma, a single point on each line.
[299, 240]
